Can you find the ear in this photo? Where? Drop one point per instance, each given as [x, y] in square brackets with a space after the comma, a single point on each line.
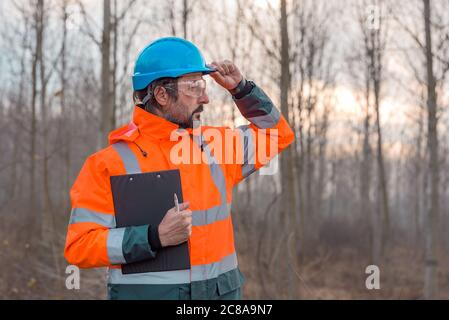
[161, 96]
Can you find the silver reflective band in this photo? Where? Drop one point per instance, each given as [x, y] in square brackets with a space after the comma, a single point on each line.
[115, 276]
[128, 157]
[217, 173]
[199, 273]
[208, 216]
[213, 270]
[249, 152]
[114, 246]
[84, 215]
[268, 120]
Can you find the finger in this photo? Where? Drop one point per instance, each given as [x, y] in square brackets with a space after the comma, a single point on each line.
[211, 66]
[214, 65]
[217, 76]
[186, 213]
[186, 225]
[184, 205]
[219, 67]
[228, 64]
[225, 68]
[232, 67]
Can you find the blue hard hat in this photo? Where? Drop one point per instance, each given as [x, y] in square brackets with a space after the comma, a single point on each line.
[167, 57]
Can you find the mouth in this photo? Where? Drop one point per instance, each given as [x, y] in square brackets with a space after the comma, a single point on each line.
[196, 114]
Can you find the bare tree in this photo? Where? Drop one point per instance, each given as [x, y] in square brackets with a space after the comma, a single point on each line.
[106, 103]
[288, 212]
[431, 80]
[430, 279]
[37, 58]
[371, 60]
[375, 53]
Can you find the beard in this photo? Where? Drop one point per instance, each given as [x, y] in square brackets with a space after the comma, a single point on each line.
[191, 121]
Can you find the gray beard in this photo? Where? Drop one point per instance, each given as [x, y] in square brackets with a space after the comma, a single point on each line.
[190, 123]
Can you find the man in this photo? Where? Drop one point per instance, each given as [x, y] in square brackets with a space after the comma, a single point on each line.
[169, 94]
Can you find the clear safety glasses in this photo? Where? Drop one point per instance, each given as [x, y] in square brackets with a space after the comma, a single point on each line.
[192, 88]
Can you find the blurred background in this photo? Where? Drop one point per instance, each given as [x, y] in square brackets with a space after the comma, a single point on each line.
[364, 84]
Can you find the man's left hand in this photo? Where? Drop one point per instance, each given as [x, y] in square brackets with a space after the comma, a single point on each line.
[227, 75]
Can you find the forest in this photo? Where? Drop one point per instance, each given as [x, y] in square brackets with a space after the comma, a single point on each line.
[363, 84]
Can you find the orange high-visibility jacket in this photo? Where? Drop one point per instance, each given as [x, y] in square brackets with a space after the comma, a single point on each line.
[145, 145]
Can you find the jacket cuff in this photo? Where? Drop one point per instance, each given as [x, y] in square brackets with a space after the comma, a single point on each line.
[257, 107]
[153, 238]
[243, 88]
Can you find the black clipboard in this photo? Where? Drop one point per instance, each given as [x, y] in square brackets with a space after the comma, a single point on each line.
[145, 198]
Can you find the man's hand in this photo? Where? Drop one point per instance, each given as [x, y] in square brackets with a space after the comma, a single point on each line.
[175, 228]
[227, 75]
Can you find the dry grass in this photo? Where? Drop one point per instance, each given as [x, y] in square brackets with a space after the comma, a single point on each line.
[29, 272]
[340, 274]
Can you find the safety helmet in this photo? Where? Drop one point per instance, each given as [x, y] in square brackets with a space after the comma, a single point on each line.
[167, 57]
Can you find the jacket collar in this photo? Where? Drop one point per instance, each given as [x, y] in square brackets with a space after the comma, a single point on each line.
[146, 124]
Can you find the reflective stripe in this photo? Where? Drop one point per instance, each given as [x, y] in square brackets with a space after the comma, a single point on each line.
[268, 120]
[199, 273]
[116, 236]
[249, 152]
[84, 215]
[163, 277]
[211, 215]
[114, 245]
[213, 270]
[217, 173]
[198, 139]
[128, 157]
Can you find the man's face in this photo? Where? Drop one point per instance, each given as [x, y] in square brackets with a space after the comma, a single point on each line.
[191, 98]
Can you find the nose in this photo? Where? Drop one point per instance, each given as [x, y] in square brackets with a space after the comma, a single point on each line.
[204, 99]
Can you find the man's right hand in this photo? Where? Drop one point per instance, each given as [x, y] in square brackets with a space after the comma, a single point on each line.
[175, 228]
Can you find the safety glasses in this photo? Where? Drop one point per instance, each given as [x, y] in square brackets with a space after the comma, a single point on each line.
[192, 88]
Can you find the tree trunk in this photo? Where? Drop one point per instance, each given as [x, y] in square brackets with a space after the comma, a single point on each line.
[365, 174]
[33, 219]
[417, 183]
[376, 78]
[289, 204]
[46, 224]
[185, 17]
[66, 113]
[106, 106]
[114, 65]
[385, 217]
[431, 260]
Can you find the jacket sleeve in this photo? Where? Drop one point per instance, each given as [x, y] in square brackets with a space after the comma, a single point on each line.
[92, 237]
[266, 136]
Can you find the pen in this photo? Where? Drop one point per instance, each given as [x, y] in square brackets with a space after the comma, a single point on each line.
[176, 203]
